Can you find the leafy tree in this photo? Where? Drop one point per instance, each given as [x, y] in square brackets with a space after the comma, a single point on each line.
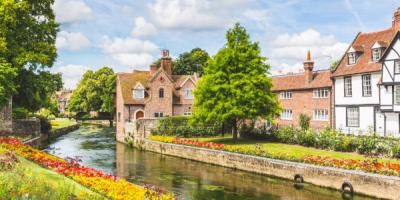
[27, 48]
[235, 85]
[334, 64]
[95, 92]
[304, 121]
[191, 62]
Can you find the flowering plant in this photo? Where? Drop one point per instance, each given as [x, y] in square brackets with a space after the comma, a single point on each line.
[103, 183]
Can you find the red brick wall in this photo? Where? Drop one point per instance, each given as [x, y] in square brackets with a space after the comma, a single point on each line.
[185, 105]
[303, 102]
[120, 112]
[156, 104]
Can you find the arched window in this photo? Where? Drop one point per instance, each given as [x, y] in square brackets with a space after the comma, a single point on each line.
[161, 93]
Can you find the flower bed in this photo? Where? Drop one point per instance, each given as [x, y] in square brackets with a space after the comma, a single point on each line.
[373, 166]
[106, 184]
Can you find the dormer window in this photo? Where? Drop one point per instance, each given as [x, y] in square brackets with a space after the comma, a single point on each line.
[376, 54]
[138, 91]
[352, 58]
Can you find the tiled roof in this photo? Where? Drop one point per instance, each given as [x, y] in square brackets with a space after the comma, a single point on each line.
[364, 63]
[129, 80]
[321, 79]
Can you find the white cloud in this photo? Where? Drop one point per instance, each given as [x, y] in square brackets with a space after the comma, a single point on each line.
[288, 51]
[72, 74]
[129, 51]
[143, 28]
[196, 14]
[72, 41]
[71, 11]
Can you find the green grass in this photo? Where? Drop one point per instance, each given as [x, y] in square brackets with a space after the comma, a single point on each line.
[28, 179]
[61, 123]
[296, 151]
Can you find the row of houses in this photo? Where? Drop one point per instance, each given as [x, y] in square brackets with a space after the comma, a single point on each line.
[361, 94]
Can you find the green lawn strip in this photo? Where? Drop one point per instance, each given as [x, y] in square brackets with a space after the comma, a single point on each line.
[296, 151]
[57, 181]
[61, 123]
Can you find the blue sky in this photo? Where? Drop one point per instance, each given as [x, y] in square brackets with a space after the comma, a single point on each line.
[128, 35]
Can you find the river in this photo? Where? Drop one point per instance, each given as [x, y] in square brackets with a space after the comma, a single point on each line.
[96, 147]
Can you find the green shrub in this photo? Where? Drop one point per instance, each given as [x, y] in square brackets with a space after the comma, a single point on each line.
[20, 113]
[286, 135]
[304, 121]
[396, 150]
[180, 126]
[44, 112]
[306, 138]
[325, 139]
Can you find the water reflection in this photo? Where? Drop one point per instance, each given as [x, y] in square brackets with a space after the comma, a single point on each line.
[187, 179]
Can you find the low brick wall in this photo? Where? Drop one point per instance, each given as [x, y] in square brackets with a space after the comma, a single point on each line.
[364, 183]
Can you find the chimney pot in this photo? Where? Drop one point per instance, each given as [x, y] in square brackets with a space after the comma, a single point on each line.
[396, 19]
[166, 61]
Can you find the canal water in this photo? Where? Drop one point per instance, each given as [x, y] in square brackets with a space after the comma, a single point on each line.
[96, 147]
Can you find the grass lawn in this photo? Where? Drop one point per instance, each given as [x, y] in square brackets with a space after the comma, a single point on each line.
[61, 123]
[289, 149]
[28, 179]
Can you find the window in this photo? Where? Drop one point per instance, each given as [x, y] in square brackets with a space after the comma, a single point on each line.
[187, 113]
[161, 93]
[119, 117]
[287, 114]
[397, 94]
[353, 117]
[158, 114]
[347, 87]
[188, 94]
[366, 85]
[397, 66]
[321, 93]
[376, 54]
[138, 93]
[321, 115]
[285, 95]
[352, 58]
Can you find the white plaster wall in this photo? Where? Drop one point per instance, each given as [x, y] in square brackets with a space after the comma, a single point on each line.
[366, 120]
[386, 95]
[392, 124]
[388, 73]
[357, 98]
[380, 124]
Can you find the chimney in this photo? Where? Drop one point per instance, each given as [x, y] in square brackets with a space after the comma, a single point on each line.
[396, 19]
[308, 68]
[166, 61]
[153, 69]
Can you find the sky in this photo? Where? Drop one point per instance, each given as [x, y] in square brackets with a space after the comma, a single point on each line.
[129, 34]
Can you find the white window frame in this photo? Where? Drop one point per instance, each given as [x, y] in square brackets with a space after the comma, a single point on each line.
[348, 86]
[353, 117]
[158, 114]
[397, 66]
[321, 93]
[188, 93]
[396, 98]
[376, 54]
[321, 115]
[287, 114]
[366, 85]
[138, 93]
[352, 58]
[286, 95]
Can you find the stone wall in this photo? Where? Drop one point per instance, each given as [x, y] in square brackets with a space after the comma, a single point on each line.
[365, 183]
[29, 126]
[6, 118]
[137, 129]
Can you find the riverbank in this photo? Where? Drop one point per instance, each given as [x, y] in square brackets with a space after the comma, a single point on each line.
[98, 181]
[364, 183]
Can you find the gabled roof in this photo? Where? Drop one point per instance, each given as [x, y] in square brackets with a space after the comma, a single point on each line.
[321, 79]
[397, 36]
[364, 63]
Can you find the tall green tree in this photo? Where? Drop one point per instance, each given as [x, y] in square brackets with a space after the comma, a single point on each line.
[95, 92]
[191, 62]
[235, 85]
[27, 48]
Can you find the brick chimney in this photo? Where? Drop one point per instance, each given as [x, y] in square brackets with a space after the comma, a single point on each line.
[166, 61]
[153, 69]
[396, 19]
[308, 68]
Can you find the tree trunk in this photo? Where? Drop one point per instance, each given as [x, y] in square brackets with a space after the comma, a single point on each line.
[111, 123]
[234, 131]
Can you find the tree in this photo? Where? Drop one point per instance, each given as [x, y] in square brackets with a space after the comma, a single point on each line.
[235, 85]
[191, 62]
[95, 92]
[334, 64]
[27, 49]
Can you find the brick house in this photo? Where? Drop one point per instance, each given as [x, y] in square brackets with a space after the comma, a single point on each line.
[366, 83]
[308, 93]
[152, 94]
